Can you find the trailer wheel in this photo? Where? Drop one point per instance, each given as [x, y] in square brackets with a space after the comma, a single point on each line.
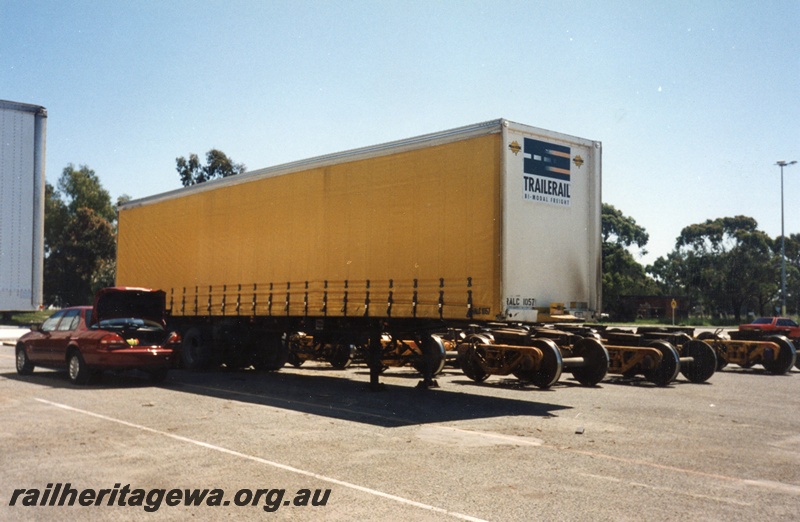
[272, 354]
[196, 349]
[595, 361]
[787, 356]
[472, 358]
[550, 366]
[670, 365]
[341, 355]
[704, 362]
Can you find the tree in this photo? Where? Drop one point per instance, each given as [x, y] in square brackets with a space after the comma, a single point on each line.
[724, 264]
[56, 217]
[80, 241]
[669, 274]
[622, 274]
[218, 165]
[82, 189]
[622, 230]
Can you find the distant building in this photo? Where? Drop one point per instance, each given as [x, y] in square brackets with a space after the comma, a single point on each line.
[653, 307]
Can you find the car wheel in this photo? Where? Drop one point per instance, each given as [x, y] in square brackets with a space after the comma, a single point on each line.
[24, 365]
[78, 371]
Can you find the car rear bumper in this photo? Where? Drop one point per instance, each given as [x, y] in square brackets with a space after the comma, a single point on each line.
[130, 358]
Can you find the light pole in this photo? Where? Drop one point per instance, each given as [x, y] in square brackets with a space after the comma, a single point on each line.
[782, 164]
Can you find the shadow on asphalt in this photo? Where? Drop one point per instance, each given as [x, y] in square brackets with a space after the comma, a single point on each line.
[330, 393]
[342, 398]
[55, 378]
[321, 391]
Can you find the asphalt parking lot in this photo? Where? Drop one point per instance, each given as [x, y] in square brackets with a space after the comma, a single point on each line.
[271, 446]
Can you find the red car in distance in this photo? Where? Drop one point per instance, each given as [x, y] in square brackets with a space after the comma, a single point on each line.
[773, 325]
[124, 330]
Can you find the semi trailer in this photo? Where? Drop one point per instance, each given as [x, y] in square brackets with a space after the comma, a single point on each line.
[403, 248]
[22, 182]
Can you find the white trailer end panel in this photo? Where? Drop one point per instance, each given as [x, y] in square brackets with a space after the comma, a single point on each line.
[22, 179]
[551, 224]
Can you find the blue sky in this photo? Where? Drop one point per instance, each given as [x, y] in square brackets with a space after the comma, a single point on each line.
[694, 101]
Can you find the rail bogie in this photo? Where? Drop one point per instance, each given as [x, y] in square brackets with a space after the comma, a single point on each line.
[776, 353]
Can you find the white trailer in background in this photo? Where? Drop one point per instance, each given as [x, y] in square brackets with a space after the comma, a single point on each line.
[22, 182]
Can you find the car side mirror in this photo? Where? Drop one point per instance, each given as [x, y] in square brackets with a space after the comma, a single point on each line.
[36, 327]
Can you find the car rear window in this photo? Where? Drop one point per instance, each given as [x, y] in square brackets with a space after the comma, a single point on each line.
[131, 322]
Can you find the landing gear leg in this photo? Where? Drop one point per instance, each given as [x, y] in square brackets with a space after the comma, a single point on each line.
[374, 356]
[433, 357]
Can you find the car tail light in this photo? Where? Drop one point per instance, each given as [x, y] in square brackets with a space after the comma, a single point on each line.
[174, 339]
[113, 342]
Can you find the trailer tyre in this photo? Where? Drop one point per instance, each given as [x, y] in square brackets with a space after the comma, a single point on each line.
[272, 355]
[670, 365]
[196, 349]
[596, 360]
[549, 368]
[704, 364]
[787, 356]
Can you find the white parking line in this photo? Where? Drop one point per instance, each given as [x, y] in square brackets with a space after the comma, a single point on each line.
[790, 489]
[260, 460]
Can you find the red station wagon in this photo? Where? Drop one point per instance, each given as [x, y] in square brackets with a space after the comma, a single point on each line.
[125, 329]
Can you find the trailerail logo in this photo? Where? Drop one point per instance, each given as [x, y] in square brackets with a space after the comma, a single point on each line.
[546, 172]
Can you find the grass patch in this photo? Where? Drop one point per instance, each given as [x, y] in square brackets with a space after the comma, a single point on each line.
[26, 318]
[705, 322]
